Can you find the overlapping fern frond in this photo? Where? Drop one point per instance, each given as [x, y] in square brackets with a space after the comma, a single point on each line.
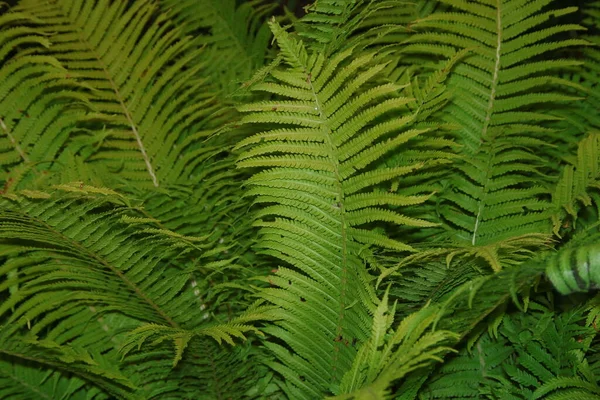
[79, 256]
[528, 357]
[319, 193]
[150, 105]
[500, 189]
[578, 184]
[39, 103]
[390, 156]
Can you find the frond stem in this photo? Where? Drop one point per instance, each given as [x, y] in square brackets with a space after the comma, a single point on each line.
[343, 230]
[114, 270]
[58, 366]
[490, 108]
[494, 86]
[134, 129]
[24, 383]
[14, 142]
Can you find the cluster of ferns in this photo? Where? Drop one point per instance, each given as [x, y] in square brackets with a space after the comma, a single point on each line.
[349, 200]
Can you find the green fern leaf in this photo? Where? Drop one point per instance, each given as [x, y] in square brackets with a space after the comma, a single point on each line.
[321, 192]
[40, 103]
[500, 94]
[576, 181]
[150, 108]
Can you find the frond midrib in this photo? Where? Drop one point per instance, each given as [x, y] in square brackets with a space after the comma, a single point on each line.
[111, 268]
[24, 383]
[121, 101]
[487, 120]
[327, 133]
[114, 387]
[14, 142]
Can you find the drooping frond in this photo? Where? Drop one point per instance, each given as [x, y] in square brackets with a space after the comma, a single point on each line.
[234, 328]
[81, 254]
[82, 237]
[320, 198]
[23, 357]
[26, 382]
[499, 191]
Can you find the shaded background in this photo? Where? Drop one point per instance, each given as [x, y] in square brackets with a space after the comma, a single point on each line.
[297, 6]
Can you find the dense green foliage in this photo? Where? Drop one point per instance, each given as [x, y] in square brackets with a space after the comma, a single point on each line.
[368, 199]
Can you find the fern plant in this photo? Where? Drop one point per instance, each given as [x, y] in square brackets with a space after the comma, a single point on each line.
[350, 199]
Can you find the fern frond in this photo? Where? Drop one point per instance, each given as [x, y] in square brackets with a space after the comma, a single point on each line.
[24, 355]
[40, 103]
[322, 193]
[500, 92]
[387, 357]
[581, 118]
[333, 25]
[507, 252]
[250, 379]
[424, 278]
[143, 85]
[26, 382]
[84, 256]
[576, 181]
[88, 259]
[568, 387]
[533, 354]
[156, 243]
[226, 332]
